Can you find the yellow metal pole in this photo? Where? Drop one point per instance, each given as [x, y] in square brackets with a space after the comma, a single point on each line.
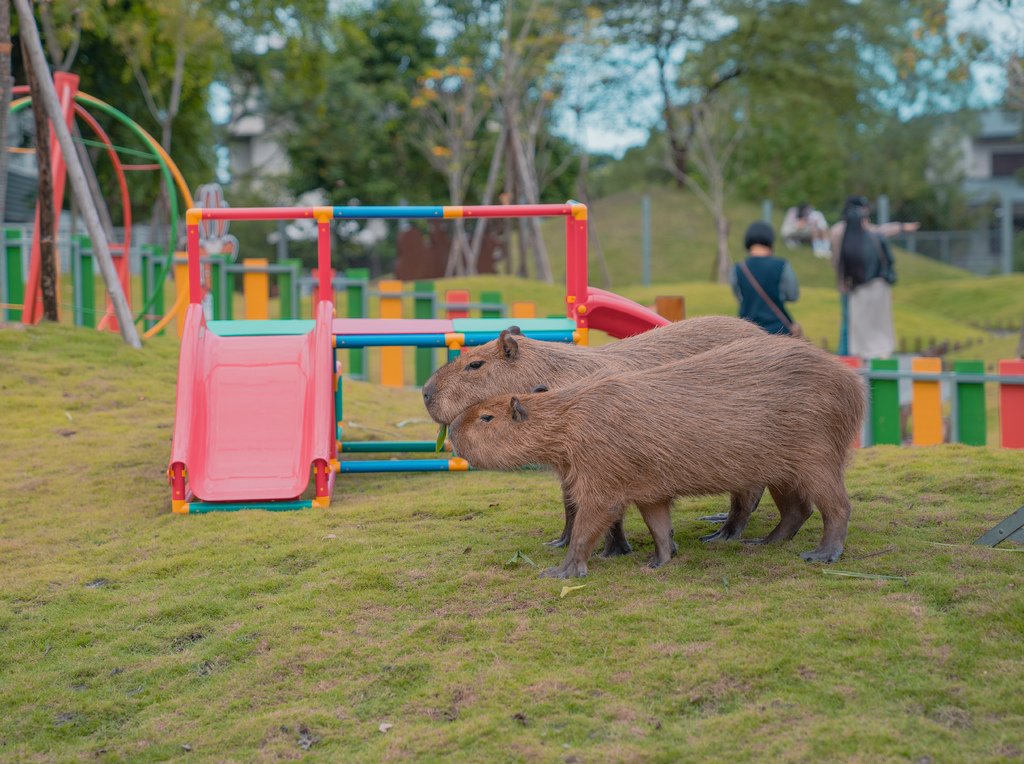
[391, 372]
[256, 289]
[926, 407]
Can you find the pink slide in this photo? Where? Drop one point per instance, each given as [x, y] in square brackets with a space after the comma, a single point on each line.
[253, 413]
[619, 316]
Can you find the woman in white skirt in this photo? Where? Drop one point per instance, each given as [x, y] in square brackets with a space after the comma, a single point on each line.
[864, 265]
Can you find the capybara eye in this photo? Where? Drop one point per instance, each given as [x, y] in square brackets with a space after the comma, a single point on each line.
[474, 365]
[486, 417]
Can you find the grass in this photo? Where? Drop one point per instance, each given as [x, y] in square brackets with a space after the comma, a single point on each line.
[129, 633]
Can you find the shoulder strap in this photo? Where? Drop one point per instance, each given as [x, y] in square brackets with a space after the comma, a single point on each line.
[764, 296]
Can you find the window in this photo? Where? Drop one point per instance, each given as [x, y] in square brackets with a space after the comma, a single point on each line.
[1007, 163]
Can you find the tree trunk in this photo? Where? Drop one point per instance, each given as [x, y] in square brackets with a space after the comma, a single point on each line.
[592, 238]
[5, 98]
[492, 179]
[724, 261]
[47, 266]
[678, 152]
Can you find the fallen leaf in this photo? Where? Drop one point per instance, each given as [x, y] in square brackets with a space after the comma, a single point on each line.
[330, 536]
[384, 726]
[851, 574]
[467, 550]
[567, 589]
[68, 415]
[186, 747]
[519, 556]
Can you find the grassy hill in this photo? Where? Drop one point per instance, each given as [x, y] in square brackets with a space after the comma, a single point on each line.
[131, 634]
[683, 243]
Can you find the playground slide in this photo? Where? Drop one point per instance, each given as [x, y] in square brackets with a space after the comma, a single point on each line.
[253, 412]
[618, 316]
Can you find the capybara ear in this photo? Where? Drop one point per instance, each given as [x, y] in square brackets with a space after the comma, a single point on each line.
[515, 330]
[509, 347]
[540, 389]
[518, 411]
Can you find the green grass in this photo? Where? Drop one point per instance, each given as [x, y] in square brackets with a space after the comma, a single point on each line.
[128, 633]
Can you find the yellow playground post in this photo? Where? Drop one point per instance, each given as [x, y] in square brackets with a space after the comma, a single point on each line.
[256, 288]
[926, 407]
[391, 373]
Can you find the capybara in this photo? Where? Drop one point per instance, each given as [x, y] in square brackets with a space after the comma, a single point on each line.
[517, 364]
[770, 411]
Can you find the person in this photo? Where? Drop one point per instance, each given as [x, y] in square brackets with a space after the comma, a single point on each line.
[763, 303]
[805, 225]
[865, 273]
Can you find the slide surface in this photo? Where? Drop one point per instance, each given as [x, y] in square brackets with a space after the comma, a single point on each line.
[253, 412]
[619, 316]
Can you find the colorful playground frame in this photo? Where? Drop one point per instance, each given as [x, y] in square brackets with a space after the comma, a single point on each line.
[259, 402]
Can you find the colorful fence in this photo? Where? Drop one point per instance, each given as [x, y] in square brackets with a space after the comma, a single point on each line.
[962, 418]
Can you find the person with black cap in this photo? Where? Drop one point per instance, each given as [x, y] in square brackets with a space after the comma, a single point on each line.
[865, 273]
[764, 283]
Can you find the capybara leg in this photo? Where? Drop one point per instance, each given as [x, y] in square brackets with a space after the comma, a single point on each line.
[588, 527]
[794, 508]
[570, 515]
[615, 543]
[658, 517]
[834, 505]
[740, 506]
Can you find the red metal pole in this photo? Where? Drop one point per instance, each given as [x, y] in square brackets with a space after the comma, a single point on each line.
[514, 210]
[192, 228]
[323, 259]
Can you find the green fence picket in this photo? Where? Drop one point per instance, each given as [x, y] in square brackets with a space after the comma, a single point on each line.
[885, 405]
[423, 307]
[356, 298]
[970, 405]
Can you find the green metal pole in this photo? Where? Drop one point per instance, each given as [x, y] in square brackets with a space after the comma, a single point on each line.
[15, 274]
[84, 282]
[423, 307]
[490, 298]
[885, 404]
[218, 287]
[356, 294]
[286, 287]
[971, 420]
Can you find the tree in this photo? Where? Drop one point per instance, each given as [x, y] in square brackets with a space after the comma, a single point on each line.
[6, 83]
[453, 104]
[47, 234]
[717, 130]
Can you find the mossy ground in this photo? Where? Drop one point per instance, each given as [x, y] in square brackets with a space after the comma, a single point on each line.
[129, 634]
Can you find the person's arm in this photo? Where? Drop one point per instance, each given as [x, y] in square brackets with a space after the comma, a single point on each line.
[789, 287]
[894, 229]
[734, 283]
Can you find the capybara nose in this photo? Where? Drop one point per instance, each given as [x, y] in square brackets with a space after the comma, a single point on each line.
[428, 391]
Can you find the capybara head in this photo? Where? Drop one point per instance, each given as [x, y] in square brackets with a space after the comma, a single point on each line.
[510, 364]
[496, 434]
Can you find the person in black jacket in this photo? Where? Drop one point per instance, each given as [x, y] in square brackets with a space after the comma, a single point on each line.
[773, 274]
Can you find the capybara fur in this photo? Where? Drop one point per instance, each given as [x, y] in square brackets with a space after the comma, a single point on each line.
[769, 411]
[517, 364]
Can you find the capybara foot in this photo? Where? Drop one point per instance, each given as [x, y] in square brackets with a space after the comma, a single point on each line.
[722, 534]
[655, 562]
[568, 569]
[558, 543]
[823, 554]
[616, 547]
[719, 518]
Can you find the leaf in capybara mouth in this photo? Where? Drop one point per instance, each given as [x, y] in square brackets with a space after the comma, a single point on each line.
[442, 433]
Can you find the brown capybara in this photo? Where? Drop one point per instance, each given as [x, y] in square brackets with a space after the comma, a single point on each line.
[771, 411]
[517, 364]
